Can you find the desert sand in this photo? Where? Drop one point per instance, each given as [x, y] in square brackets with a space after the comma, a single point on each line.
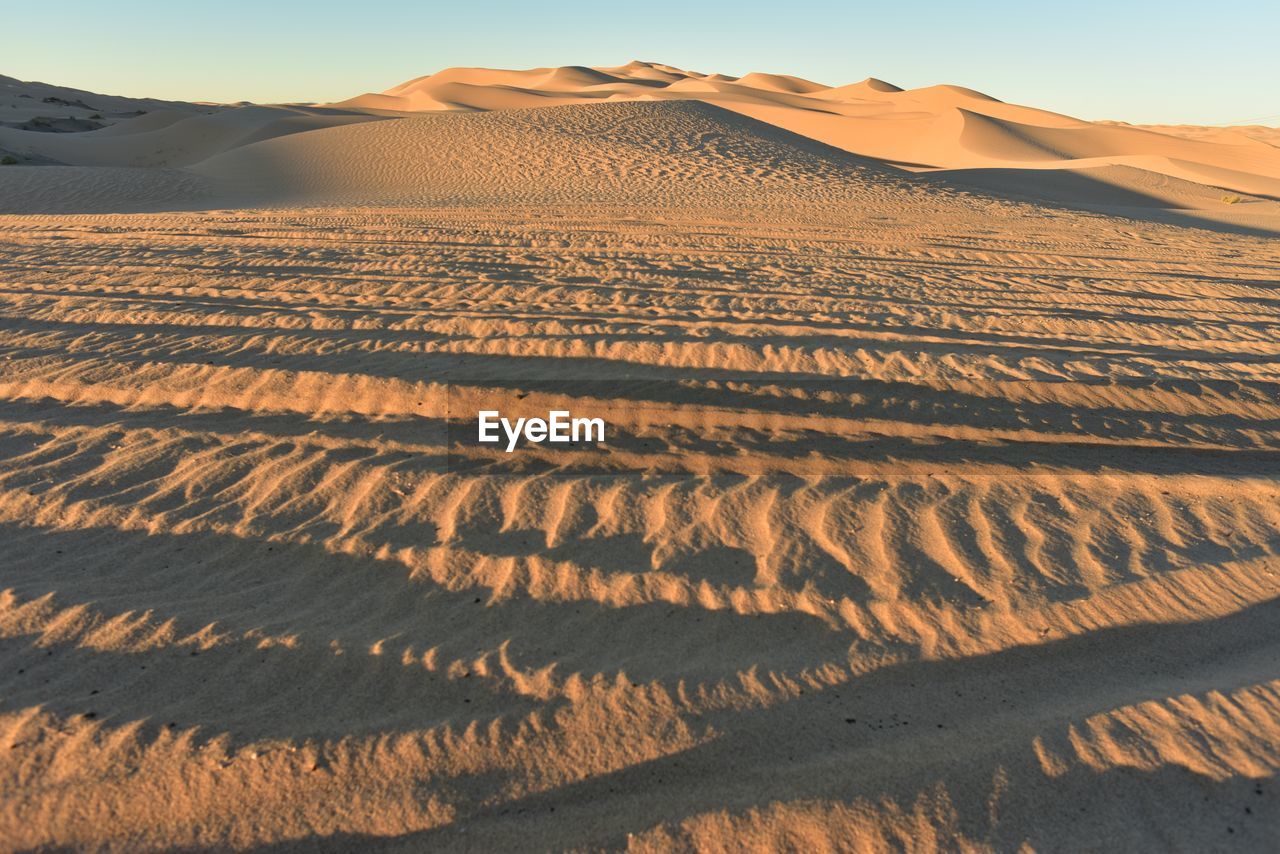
[940, 506]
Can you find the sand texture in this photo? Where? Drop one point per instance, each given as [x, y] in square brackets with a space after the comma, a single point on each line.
[940, 507]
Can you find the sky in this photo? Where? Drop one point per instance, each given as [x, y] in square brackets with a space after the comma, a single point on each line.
[1142, 62]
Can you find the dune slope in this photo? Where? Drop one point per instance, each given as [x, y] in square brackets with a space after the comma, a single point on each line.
[936, 127]
[635, 153]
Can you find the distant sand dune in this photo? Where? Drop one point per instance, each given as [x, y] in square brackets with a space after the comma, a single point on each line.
[941, 127]
[318, 157]
[645, 153]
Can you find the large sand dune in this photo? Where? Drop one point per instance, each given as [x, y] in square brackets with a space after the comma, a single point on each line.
[637, 153]
[1226, 176]
[940, 127]
[932, 514]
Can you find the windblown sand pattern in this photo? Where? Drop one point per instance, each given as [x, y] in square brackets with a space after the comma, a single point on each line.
[932, 517]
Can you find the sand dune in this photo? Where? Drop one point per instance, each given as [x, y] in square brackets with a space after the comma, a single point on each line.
[641, 153]
[174, 139]
[935, 130]
[936, 127]
[21, 101]
[939, 507]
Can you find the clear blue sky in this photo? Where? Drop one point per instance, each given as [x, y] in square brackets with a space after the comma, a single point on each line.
[1173, 61]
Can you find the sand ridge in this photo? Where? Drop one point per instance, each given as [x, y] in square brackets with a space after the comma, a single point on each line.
[1040, 561]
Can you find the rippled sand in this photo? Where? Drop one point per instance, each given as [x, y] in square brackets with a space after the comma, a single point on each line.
[928, 517]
